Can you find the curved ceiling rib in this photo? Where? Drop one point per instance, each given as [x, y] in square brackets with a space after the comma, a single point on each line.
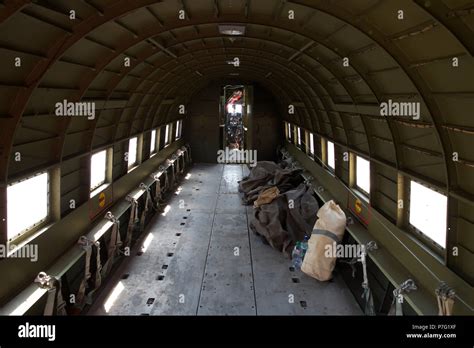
[308, 50]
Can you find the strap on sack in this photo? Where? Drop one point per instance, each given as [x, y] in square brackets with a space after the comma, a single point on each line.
[54, 301]
[326, 233]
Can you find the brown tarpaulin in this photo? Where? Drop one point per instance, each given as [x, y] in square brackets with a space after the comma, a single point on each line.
[265, 175]
[286, 219]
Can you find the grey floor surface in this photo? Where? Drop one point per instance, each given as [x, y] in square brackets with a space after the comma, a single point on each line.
[200, 258]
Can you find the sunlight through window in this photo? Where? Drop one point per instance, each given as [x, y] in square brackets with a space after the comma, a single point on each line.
[167, 131]
[311, 143]
[178, 130]
[331, 155]
[147, 242]
[153, 141]
[132, 152]
[363, 174]
[113, 296]
[27, 204]
[98, 169]
[428, 210]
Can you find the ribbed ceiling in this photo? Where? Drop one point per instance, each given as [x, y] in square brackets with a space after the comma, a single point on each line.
[300, 61]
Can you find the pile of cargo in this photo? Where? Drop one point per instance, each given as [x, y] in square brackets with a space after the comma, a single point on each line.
[288, 218]
[285, 208]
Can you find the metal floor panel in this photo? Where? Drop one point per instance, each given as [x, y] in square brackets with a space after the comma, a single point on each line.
[201, 258]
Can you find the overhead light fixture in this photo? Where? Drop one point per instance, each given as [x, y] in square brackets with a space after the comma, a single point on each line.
[232, 29]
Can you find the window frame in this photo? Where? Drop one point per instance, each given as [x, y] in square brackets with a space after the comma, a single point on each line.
[356, 186]
[134, 164]
[168, 132]
[331, 169]
[299, 140]
[178, 130]
[311, 149]
[37, 226]
[419, 234]
[105, 181]
[153, 145]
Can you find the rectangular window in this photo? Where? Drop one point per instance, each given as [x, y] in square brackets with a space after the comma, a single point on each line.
[167, 133]
[178, 129]
[132, 152]
[428, 212]
[331, 155]
[27, 204]
[363, 174]
[288, 131]
[299, 136]
[98, 169]
[153, 141]
[311, 144]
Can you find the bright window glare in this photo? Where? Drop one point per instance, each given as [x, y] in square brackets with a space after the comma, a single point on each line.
[363, 174]
[311, 143]
[428, 211]
[153, 141]
[178, 129]
[98, 165]
[132, 152]
[27, 204]
[299, 136]
[289, 130]
[167, 130]
[331, 155]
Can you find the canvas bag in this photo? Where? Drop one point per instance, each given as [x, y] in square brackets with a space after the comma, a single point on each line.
[328, 230]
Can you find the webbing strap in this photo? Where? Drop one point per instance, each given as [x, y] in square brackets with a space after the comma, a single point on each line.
[178, 165]
[445, 297]
[187, 154]
[98, 269]
[326, 233]
[158, 190]
[172, 178]
[148, 202]
[132, 221]
[183, 164]
[54, 301]
[87, 246]
[407, 286]
[114, 243]
[166, 185]
[369, 307]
